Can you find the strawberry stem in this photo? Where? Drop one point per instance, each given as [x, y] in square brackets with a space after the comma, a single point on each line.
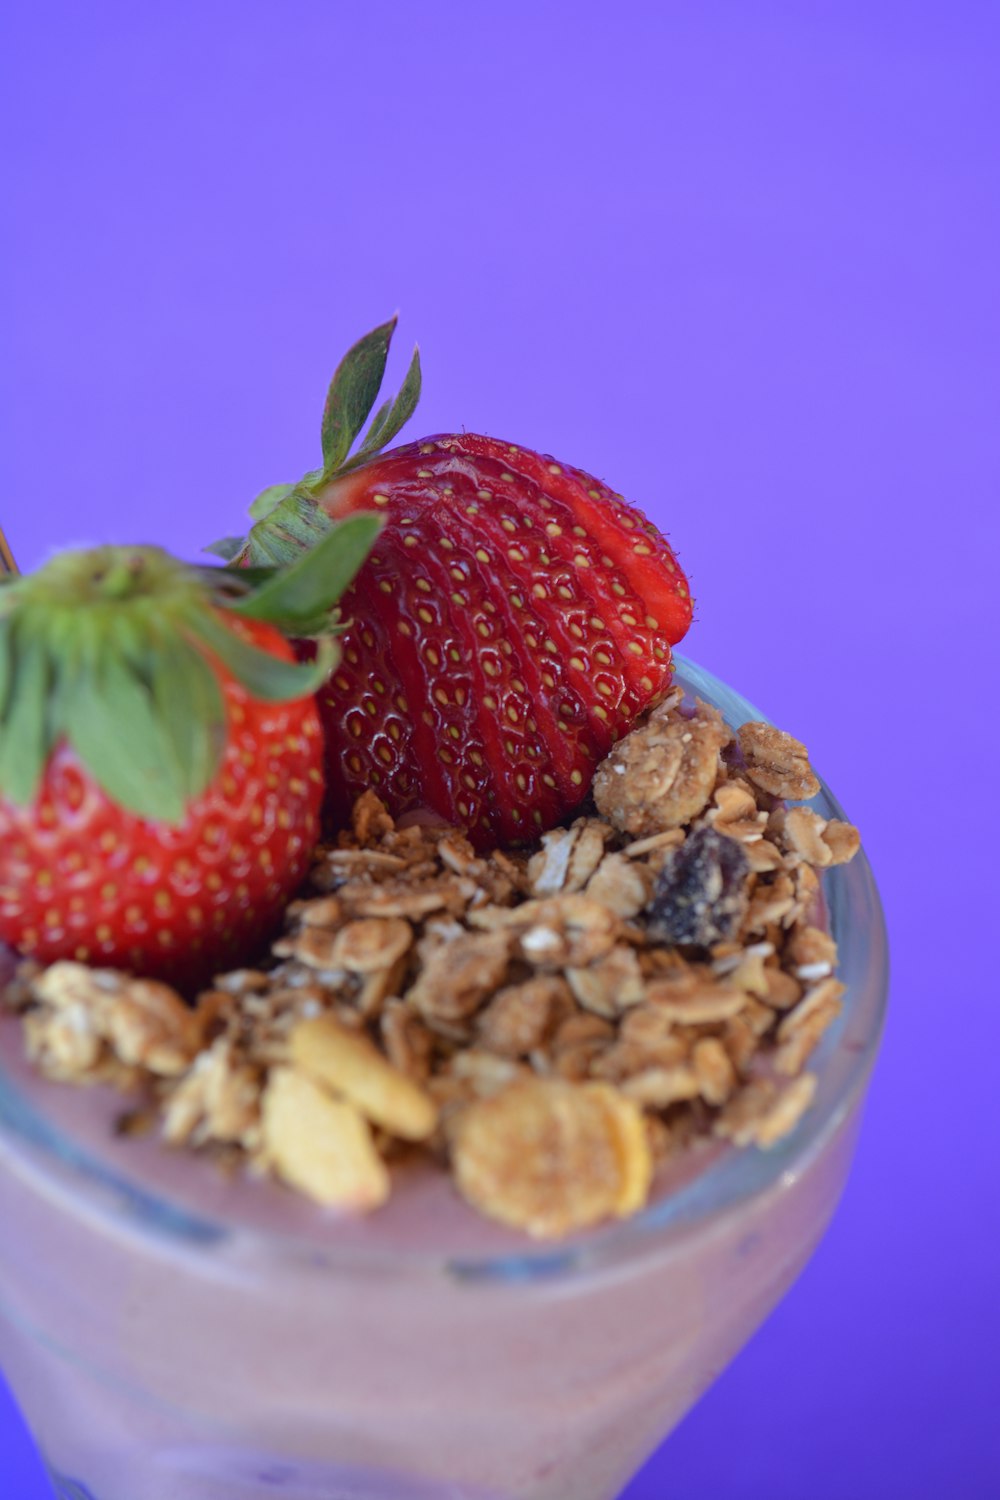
[288, 518]
[120, 652]
[7, 563]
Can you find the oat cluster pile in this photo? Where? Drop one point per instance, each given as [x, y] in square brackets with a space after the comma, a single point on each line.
[550, 1026]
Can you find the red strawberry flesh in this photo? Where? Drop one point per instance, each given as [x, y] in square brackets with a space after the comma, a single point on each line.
[81, 879]
[514, 619]
[161, 755]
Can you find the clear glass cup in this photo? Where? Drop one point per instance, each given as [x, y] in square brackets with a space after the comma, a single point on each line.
[169, 1334]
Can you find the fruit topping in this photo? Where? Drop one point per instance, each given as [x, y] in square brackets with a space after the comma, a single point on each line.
[513, 621]
[161, 764]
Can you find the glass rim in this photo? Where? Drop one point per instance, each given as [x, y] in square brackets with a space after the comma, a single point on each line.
[736, 1177]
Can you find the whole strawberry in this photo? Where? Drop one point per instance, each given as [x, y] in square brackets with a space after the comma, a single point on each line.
[161, 764]
[514, 619]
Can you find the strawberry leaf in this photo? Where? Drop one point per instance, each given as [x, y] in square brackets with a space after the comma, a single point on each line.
[227, 547]
[5, 665]
[179, 674]
[23, 726]
[352, 394]
[296, 523]
[298, 599]
[393, 416]
[138, 764]
[268, 499]
[123, 651]
[287, 517]
[378, 421]
[264, 676]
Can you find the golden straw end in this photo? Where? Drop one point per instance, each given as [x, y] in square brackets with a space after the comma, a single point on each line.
[7, 563]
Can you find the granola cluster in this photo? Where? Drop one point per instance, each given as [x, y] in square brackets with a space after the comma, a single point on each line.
[551, 1026]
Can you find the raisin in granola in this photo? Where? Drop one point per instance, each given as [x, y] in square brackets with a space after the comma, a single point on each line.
[700, 896]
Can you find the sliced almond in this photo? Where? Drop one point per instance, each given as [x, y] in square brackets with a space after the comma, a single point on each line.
[320, 1145]
[349, 1063]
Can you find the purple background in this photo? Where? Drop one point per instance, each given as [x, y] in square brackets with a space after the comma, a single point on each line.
[740, 260]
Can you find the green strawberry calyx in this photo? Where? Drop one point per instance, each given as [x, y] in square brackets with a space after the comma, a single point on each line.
[288, 518]
[119, 651]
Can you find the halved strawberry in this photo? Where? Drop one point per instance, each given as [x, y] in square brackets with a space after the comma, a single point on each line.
[513, 620]
[161, 763]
